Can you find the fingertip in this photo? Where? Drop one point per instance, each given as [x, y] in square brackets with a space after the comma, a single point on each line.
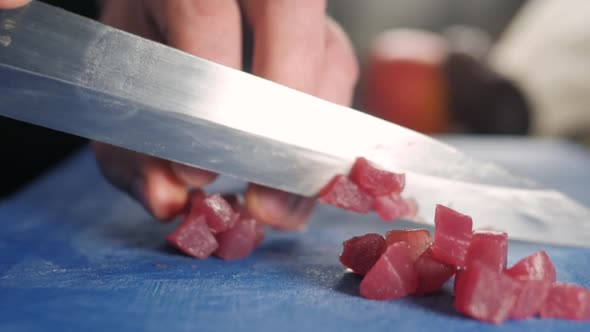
[192, 176]
[11, 4]
[289, 41]
[341, 68]
[278, 209]
[161, 194]
[208, 29]
[147, 179]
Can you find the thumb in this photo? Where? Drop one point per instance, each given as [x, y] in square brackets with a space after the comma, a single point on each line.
[208, 29]
[10, 4]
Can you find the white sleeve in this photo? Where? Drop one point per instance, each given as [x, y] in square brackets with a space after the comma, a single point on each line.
[546, 51]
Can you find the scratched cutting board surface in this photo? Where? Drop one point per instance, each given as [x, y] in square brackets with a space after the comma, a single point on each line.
[77, 255]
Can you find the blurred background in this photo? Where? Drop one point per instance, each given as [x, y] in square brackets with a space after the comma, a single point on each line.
[424, 64]
[363, 20]
[480, 67]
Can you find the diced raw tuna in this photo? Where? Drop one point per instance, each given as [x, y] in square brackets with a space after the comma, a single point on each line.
[406, 262]
[375, 181]
[568, 302]
[418, 240]
[489, 248]
[531, 296]
[393, 207]
[193, 237]
[537, 266]
[233, 200]
[259, 232]
[452, 236]
[457, 281]
[432, 274]
[361, 252]
[343, 193]
[240, 240]
[392, 277]
[191, 207]
[413, 207]
[484, 294]
[219, 214]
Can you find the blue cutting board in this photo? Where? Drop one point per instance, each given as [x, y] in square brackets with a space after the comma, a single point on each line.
[77, 255]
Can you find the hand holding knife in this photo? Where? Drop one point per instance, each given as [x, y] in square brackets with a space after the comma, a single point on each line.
[87, 79]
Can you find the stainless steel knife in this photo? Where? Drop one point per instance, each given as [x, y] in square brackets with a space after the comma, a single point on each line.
[68, 73]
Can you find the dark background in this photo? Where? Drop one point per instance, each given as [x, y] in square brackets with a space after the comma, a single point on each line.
[28, 150]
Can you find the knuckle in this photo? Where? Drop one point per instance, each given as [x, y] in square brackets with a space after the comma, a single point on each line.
[212, 9]
[168, 13]
[339, 51]
[258, 10]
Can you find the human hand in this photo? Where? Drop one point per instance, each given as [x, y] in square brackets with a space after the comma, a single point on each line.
[10, 4]
[295, 44]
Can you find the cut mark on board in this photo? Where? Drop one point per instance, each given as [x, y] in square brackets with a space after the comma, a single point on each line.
[5, 40]
[8, 24]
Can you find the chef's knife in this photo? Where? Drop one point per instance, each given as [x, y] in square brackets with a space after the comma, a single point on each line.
[68, 73]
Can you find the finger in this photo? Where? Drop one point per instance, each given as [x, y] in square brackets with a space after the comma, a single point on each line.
[192, 176]
[131, 16]
[278, 209]
[10, 4]
[209, 29]
[340, 71]
[288, 40]
[147, 179]
[205, 28]
[288, 49]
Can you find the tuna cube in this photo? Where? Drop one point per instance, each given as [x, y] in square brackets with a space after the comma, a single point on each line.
[452, 236]
[240, 240]
[458, 275]
[361, 252]
[345, 194]
[193, 237]
[568, 302]
[418, 240]
[393, 207]
[375, 181]
[536, 266]
[432, 274]
[530, 299]
[392, 277]
[218, 212]
[489, 248]
[484, 294]
[259, 232]
[412, 207]
[233, 200]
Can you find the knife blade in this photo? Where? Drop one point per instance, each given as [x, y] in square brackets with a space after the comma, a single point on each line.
[75, 75]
